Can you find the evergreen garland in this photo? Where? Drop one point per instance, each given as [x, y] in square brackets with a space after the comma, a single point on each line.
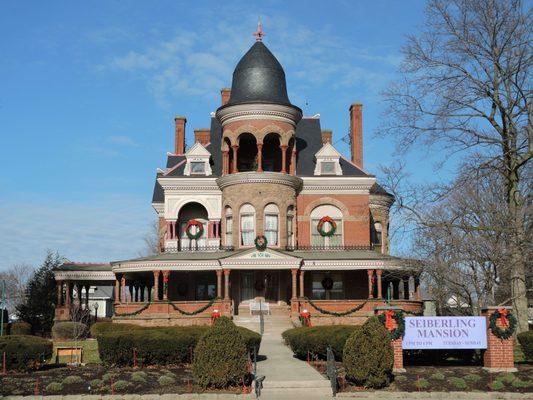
[399, 331]
[336, 314]
[137, 312]
[195, 312]
[499, 332]
[199, 231]
[261, 243]
[321, 223]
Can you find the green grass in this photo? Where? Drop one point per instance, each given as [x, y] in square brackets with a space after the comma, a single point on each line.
[90, 350]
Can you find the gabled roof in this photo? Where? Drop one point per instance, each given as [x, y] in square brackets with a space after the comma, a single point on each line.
[74, 266]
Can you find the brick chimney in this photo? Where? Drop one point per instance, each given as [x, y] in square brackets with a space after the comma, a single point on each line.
[356, 133]
[180, 134]
[225, 94]
[202, 135]
[326, 136]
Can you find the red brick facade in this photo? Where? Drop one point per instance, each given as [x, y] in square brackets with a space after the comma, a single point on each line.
[499, 354]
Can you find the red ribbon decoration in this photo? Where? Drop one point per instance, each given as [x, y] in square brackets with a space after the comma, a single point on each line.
[306, 315]
[389, 321]
[214, 315]
[503, 317]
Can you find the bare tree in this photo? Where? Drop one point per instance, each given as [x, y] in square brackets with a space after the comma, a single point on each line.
[152, 240]
[16, 278]
[466, 87]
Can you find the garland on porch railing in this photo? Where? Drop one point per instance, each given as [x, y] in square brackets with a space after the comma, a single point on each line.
[336, 314]
[195, 312]
[140, 310]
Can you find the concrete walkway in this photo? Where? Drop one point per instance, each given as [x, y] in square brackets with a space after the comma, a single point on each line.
[286, 377]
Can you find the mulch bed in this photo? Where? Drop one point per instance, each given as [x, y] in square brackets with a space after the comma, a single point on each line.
[448, 379]
[97, 379]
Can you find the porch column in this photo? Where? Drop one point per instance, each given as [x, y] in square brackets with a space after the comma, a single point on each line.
[123, 296]
[87, 287]
[234, 169]
[68, 294]
[283, 158]
[370, 273]
[294, 272]
[302, 272]
[225, 157]
[292, 170]
[259, 157]
[117, 290]
[165, 284]
[219, 283]
[156, 285]
[411, 287]
[59, 287]
[226, 283]
[418, 292]
[378, 273]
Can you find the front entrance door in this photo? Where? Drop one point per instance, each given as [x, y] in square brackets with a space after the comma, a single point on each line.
[247, 285]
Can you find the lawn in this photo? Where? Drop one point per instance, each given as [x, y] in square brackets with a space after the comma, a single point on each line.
[90, 350]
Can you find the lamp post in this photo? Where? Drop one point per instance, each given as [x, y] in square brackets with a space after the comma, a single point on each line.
[95, 311]
[2, 307]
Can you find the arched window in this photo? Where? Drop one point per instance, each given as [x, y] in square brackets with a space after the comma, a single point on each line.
[189, 212]
[336, 215]
[290, 226]
[229, 226]
[247, 216]
[272, 224]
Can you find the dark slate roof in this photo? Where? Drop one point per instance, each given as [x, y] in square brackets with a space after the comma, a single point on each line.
[378, 189]
[308, 143]
[159, 194]
[259, 78]
[72, 266]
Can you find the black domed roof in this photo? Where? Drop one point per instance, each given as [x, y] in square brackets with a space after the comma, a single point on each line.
[259, 78]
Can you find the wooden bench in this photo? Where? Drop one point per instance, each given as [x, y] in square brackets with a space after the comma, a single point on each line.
[260, 306]
[74, 353]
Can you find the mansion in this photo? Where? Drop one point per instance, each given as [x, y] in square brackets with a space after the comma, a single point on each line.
[261, 209]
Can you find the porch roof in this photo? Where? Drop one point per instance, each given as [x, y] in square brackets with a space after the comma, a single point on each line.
[84, 272]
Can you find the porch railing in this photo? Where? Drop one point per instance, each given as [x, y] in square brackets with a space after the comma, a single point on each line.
[194, 248]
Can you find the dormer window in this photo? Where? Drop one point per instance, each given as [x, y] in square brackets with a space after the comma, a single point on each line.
[328, 161]
[197, 158]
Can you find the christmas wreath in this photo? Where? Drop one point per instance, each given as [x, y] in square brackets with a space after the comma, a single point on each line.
[199, 229]
[387, 319]
[259, 285]
[320, 226]
[507, 320]
[261, 243]
[327, 283]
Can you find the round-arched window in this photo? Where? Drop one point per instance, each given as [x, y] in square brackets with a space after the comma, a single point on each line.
[333, 212]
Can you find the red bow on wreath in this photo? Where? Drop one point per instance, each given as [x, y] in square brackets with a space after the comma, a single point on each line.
[503, 317]
[389, 321]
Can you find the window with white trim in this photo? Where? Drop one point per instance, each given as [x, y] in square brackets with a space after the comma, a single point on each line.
[197, 168]
[335, 214]
[327, 168]
[271, 227]
[247, 217]
[377, 233]
[321, 280]
[229, 227]
[290, 226]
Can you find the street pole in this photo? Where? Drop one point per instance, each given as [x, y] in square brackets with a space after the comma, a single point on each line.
[2, 307]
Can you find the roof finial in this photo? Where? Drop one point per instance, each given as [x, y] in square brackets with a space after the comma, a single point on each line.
[259, 32]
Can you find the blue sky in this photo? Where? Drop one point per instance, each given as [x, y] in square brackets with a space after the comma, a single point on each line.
[89, 91]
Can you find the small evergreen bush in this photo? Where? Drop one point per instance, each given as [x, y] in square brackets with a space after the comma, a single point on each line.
[220, 357]
[422, 383]
[69, 330]
[96, 383]
[139, 376]
[72, 380]
[19, 328]
[497, 385]
[109, 376]
[25, 352]
[101, 328]
[526, 342]
[54, 387]
[368, 356]
[315, 340]
[121, 386]
[519, 384]
[472, 378]
[438, 376]
[166, 380]
[458, 383]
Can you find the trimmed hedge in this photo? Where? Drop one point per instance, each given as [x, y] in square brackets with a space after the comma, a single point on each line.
[526, 342]
[69, 330]
[368, 356]
[155, 346]
[221, 357]
[315, 340]
[19, 328]
[25, 352]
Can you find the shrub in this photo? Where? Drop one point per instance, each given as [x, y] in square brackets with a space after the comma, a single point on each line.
[438, 376]
[121, 386]
[166, 380]
[220, 357]
[139, 376]
[19, 328]
[526, 342]
[506, 377]
[496, 385]
[73, 380]
[25, 352]
[422, 383]
[473, 378]
[69, 330]
[368, 356]
[316, 340]
[252, 339]
[107, 377]
[54, 387]
[458, 383]
[519, 384]
[96, 383]
[101, 328]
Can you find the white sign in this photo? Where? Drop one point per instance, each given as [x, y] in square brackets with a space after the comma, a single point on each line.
[445, 333]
